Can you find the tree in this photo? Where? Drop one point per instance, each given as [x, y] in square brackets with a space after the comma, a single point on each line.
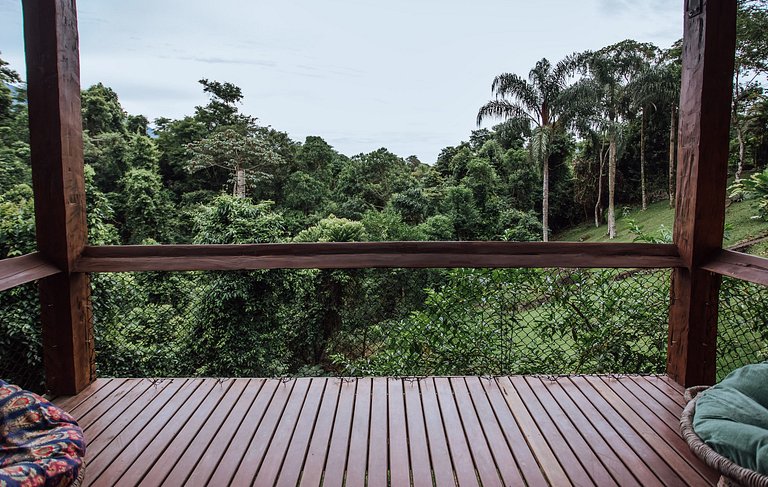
[146, 207]
[542, 100]
[751, 62]
[247, 157]
[102, 111]
[610, 71]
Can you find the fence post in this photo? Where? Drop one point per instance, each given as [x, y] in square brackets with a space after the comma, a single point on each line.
[709, 42]
[56, 143]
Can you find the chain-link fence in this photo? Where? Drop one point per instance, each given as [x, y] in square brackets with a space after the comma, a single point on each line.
[20, 338]
[402, 322]
[742, 327]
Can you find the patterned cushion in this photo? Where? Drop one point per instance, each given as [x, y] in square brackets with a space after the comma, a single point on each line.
[40, 445]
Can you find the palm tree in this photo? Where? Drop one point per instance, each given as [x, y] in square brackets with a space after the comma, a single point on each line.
[542, 101]
[610, 71]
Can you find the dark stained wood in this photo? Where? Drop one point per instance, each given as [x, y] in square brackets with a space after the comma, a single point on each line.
[638, 416]
[297, 451]
[672, 406]
[271, 440]
[337, 255]
[550, 466]
[261, 419]
[321, 436]
[438, 445]
[524, 458]
[602, 465]
[421, 467]
[503, 458]
[460, 430]
[16, 271]
[166, 433]
[564, 451]
[357, 463]
[197, 464]
[97, 386]
[640, 471]
[336, 462]
[478, 445]
[210, 414]
[378, 455]
[56, 144]
[399, 461]
[740, 266]
[463, 465]
[705, 102]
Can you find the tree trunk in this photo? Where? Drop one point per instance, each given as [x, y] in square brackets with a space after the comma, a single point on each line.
[672, 155]
[643, 195]
[239, 190]
[740, 137]
[545, 200]
[599, 203]
[612, 185]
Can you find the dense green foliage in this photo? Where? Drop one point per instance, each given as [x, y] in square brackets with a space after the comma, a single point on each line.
[593, 131]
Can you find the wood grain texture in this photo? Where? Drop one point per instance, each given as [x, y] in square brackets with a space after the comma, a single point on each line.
[16, 271]
[439, 431]
[740, 266]
[338, 255]
[705, 102]
[56, 145]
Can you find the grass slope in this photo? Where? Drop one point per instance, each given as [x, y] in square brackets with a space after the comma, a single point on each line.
[740, 226]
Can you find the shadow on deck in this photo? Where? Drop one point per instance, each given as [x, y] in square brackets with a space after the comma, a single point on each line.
[593, 430]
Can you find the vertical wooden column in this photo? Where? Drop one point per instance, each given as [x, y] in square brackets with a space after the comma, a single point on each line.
[705, 100]
[56, 140]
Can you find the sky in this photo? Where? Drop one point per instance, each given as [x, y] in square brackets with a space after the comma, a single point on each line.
[408, 75]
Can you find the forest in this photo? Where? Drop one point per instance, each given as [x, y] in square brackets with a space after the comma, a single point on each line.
[578, 139]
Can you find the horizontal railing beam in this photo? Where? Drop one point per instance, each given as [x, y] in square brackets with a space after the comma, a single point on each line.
[740, 266]
[344, 255]
[16, 271]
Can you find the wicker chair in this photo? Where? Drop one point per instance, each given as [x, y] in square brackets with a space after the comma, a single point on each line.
[731, 473]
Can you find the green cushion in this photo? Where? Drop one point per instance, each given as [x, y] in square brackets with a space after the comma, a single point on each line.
[732, 417]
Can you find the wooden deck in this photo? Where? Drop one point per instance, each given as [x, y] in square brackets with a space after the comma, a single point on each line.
[443, 431]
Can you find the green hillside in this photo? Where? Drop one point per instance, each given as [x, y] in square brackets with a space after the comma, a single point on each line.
[659, 217]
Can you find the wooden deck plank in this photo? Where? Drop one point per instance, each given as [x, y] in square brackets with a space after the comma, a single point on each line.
[565, 455]
[122, 433]
[438, 443]
[221, 436]
[634, 464]
[146, 436]
[399, 460]
[378, 456]
[431, 431]
[68, 403]
[209, 415]
[673, 448]
[636, 438]
[502, 455]
[661, 398]
[520, 448]
[290, 470]
[336, 462]
[314, 465]
[357, 463]
[167, 432]
[271, 440]
[538, 443]
[463, 465]
[421, 466]
[478, 444]
[263, 415]
[672, 389]
[582, 449]
[592, 437]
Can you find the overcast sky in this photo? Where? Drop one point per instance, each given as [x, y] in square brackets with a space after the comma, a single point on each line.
[408, 75]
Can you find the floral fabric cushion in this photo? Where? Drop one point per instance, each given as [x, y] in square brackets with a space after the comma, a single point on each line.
[40, 445]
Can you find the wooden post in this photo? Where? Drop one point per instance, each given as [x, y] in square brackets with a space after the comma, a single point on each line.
[707, 81]
[56, 142]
